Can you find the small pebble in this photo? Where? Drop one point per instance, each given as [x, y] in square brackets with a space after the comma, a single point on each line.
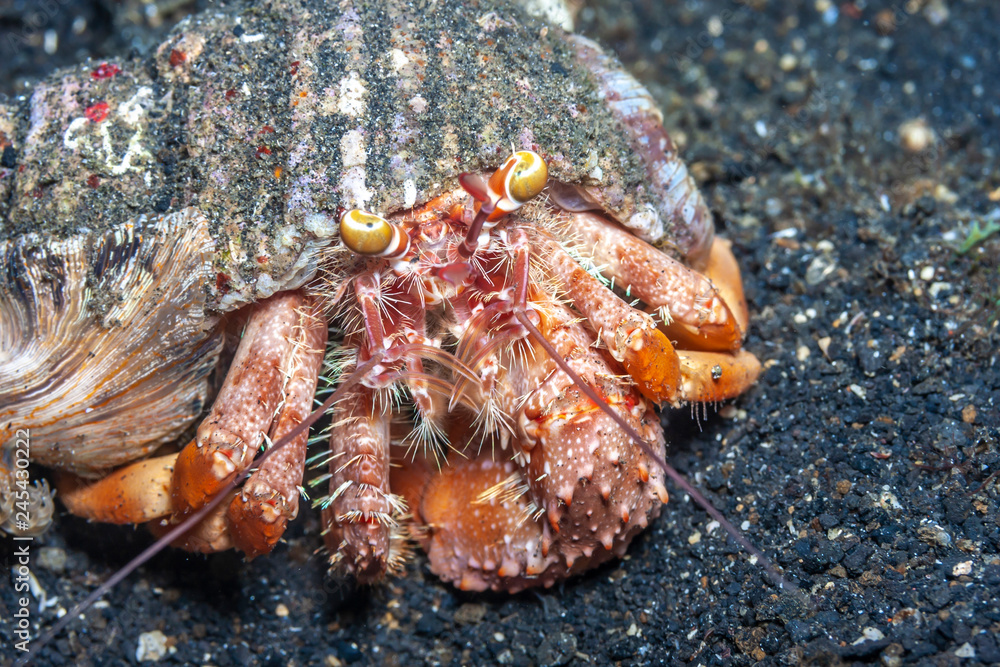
[52, 558]
[885, 22]
[152, 646]
[869, 634]
[965, 651]
[963, 568]
[714, 26]
[470, 613]
[916, 136]
[969, 414]
[934, 534]
[937, 12]
[937, 288]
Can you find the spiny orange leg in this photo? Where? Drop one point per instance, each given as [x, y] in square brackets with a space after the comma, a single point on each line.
[700, 313]
[230, 436]
[260, 511]
[268, 390]
[661, 372]
[629, 334]
[360, 514]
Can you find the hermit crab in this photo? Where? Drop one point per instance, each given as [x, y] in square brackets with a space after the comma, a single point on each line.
[466, 219]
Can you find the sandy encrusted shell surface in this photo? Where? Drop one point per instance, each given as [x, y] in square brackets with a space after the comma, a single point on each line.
[270, 118]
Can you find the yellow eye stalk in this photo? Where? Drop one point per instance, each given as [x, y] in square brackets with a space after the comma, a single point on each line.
[369, 234]
[518, 180]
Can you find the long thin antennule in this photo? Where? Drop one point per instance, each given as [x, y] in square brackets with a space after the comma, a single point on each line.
[197, 516]
[776, 576]
[471, 241]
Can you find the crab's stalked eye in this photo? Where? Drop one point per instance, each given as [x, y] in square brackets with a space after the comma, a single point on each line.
[369, 234]
[520, 178]
[527, 177]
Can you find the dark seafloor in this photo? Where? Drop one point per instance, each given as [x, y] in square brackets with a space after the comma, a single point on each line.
[849, 149]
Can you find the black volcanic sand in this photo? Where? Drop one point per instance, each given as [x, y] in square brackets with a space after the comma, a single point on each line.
[847, 153]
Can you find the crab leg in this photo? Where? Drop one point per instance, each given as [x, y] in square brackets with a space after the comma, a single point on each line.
[661, 373]
[630, 335]
[229, 438]
[359, 514]
[134, 494]
[268, 389]
[700, 314]
[270, 497]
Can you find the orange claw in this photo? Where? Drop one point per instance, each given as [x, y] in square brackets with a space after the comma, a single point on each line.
[649, 357]
[630, 335]
[494, 542]
[133, 494]
[716, 376]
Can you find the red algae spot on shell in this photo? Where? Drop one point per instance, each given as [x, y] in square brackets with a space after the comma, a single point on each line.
[97, 112]
[105, 71]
